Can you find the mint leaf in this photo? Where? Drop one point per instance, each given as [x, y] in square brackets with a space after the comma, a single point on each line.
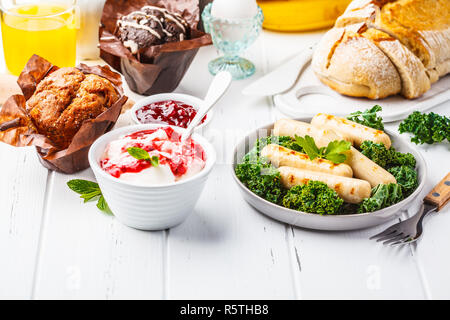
[89, 191]
[154, 161]
[103, 206]
[89, 196]
[138, 153]
[83, 186]
[141, 154]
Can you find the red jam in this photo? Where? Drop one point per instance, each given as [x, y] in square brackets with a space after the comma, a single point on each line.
[173, 113]
[178, 158]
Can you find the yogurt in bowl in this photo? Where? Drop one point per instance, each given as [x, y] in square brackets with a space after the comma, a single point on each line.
[173, 160]
[150, 179]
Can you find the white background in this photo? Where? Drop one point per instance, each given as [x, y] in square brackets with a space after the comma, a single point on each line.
[53, 246]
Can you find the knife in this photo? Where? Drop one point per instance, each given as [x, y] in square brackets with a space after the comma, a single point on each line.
[282, 78]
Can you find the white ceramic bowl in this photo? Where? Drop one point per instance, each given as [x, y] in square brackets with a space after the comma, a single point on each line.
[326, 222]
[188, 99]
[149, 207]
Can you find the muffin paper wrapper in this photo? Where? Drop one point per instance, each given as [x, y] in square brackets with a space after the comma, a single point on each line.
[17, 128]
[159, 68]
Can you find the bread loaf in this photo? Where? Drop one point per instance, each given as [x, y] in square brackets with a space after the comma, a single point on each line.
[414, 35]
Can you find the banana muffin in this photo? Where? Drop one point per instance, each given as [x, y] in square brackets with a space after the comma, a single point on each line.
[65, 99]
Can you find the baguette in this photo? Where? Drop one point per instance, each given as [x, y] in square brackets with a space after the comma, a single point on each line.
[281, 156]
[349, 189]
[350, 131]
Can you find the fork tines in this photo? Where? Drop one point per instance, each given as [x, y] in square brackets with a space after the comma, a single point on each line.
[391, 236]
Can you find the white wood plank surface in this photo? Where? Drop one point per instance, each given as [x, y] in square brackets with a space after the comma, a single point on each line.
[226, 249]
[432, 252]
[22, 190]
[343, 265]
[54, 246]
[88, 255]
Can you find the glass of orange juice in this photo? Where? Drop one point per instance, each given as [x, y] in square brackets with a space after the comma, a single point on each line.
[46, 28]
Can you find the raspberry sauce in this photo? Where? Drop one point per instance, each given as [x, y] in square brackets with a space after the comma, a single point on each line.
[173, 113]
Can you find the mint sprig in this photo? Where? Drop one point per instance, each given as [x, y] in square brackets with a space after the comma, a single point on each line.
[334, 152]
[90, 191]
[141, 154]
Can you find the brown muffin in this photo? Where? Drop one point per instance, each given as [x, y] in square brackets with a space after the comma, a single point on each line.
[65, 99]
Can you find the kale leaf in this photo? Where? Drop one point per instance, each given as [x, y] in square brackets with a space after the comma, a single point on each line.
[406, 177]
[386, 158]
[376, 152]
[426, 128]
[383, 195]
[262, 179]
[368, 118]
[314, 197]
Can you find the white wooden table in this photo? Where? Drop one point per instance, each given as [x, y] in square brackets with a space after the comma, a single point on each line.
[53, 246]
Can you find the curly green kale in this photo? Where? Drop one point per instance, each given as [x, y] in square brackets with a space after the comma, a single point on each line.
[262, 179]
[426, 128]
[314, 197]
[383, 195]
[406, 177]
[284, 141]
[386, 158]
[368, 118]
[376, 152]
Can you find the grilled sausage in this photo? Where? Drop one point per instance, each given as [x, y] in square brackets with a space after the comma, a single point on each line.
[366, 169]
[281, 156]
[349, 189]
[350, 131]
[363, 168]
[288, 127]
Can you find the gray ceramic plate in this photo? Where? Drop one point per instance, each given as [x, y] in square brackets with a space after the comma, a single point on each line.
[326, 222]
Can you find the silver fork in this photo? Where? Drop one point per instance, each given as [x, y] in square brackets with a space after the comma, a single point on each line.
[411, 229]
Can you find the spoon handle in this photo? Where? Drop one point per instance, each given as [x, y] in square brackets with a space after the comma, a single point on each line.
[217, 89]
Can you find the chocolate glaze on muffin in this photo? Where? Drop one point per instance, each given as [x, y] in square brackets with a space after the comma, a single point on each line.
[151, 26]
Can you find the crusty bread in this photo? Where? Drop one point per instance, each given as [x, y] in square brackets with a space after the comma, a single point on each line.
[421, 25]
[413, 34]
[415, 81]
[355, 66]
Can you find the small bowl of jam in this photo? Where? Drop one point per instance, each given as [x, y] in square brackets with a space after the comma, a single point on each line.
[172, 109]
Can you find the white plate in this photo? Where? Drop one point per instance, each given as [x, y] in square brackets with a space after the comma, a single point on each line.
[326, 222]
[309, 95]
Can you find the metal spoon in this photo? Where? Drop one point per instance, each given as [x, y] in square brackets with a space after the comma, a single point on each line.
[217, 89]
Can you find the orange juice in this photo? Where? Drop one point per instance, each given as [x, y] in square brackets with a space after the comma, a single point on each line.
[47, 30]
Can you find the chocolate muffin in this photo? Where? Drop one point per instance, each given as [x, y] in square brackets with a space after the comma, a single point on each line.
[151, 26]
